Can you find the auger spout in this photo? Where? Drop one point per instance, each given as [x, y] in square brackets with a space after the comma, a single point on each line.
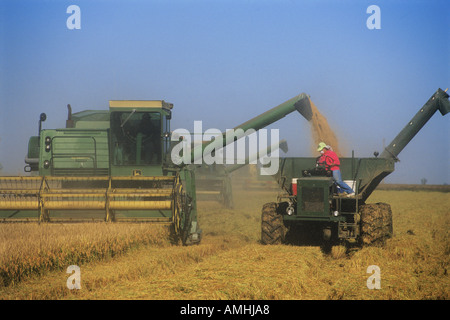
[300, 103]
[438, 101]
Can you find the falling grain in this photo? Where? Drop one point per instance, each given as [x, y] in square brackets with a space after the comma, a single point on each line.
[321, 131]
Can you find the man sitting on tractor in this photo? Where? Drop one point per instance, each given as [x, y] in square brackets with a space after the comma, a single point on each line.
[330, 161]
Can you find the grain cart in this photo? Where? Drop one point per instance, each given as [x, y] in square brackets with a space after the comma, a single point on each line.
[310, 202]
[116, 165]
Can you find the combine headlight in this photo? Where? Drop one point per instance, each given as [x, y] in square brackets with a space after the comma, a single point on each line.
[46, 164]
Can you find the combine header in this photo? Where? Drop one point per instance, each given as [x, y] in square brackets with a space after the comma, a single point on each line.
[115, 165]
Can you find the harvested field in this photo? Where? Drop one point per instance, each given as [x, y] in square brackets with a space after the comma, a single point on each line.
[122, 261]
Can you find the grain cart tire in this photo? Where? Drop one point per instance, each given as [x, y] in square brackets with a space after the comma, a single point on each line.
[376, 223]
[273, 230]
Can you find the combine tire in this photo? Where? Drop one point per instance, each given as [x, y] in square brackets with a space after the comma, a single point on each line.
[273, 230]
[376, 223]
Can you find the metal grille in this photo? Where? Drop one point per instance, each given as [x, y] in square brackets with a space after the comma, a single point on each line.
[312, 199]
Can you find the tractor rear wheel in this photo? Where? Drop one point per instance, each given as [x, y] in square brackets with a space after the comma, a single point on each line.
[376, 223]
[273, 230]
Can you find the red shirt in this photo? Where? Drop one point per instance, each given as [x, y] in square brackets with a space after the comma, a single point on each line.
[330, 159]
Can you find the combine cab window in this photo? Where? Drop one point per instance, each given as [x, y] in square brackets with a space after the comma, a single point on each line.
[136, 138]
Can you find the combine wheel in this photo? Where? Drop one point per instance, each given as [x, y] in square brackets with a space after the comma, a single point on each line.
[376, 223]
[273, 230]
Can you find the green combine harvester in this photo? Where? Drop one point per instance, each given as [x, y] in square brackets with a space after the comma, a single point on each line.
[116, 165]
[310, 204]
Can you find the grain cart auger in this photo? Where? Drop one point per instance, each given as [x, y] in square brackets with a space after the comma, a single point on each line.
[114, 165]
[310, 207]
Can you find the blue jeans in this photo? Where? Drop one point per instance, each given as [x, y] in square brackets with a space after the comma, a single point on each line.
[342, 186]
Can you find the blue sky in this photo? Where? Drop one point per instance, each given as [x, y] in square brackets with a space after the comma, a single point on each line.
[224, 62]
